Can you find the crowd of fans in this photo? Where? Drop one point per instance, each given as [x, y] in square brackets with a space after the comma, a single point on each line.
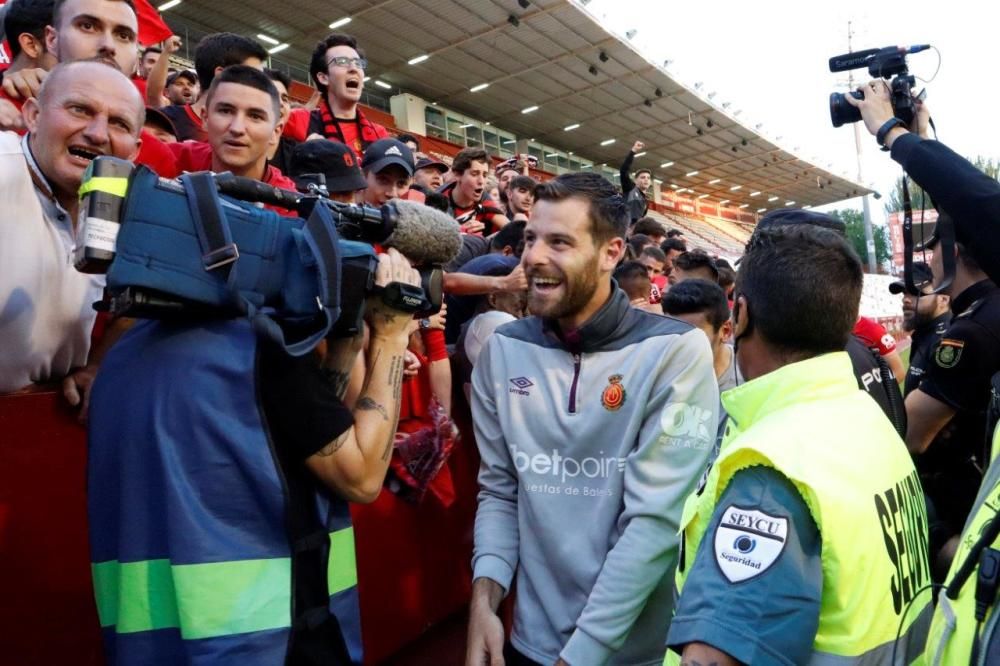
[608, 287]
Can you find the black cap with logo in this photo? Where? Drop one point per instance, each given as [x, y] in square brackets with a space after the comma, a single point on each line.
[386, 152]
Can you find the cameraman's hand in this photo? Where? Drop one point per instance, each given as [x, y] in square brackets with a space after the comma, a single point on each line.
[876, 107]
[638, 146]
[921, 119]
[385, 320]
[24, 83]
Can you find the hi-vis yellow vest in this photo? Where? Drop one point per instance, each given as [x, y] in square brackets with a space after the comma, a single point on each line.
[953, 629]
[810, 421]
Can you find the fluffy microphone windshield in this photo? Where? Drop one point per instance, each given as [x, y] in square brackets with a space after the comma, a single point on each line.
[424, 235]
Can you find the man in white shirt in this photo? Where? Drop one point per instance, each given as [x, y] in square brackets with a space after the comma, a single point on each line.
[84, 109]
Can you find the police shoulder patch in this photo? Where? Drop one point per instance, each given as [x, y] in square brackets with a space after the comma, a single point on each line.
[948, 352]
[748, 542]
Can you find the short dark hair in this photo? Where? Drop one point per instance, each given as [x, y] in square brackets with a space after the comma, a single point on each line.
[692, 260]
[152, 49]
[279, 76]
[511, 235]
[317, 63]
[608, 214]
[26, 16]
[673, 243]
[642, 171]
[626, 275]
[409, 138]
[223, 49]
[674, 233]
[648, 226]
[58, 5]
[637, 242]
[654, 252]
[522, 183]
[251, 77]
[467, 156]
[727, 276]
[698, 296]
[802, 284]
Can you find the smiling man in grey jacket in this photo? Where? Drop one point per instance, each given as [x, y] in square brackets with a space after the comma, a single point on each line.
[594, 421]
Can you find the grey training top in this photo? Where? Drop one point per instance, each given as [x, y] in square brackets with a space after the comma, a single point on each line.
[590, 442]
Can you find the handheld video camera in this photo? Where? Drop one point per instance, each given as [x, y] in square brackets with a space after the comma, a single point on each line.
[203, 246]
[885, 63]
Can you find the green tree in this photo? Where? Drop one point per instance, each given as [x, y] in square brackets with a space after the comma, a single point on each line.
[988, 166]
[854, 220]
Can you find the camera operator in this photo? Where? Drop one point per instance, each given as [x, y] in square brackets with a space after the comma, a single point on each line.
[221, 468]
[972, 200]
[83, 110]
[971, 197]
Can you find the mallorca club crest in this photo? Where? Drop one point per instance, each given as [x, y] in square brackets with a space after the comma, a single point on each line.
[614, 394]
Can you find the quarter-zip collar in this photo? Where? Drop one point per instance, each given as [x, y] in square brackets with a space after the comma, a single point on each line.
[606, 324]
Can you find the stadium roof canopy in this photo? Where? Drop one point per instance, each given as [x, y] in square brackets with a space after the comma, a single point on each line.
[554, 55]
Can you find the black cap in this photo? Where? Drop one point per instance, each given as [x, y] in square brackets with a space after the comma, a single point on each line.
[427, 162]
[160, 119]
[334, 160]
[386, 152]
[185, 73]
[922, 277]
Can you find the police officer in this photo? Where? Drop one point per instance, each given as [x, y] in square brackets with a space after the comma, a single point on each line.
[944, 475]
[787, 519]
[963, 629]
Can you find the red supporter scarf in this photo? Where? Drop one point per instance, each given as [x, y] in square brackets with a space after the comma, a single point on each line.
[331, 128]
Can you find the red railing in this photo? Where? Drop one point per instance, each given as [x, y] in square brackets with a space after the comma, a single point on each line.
[413, 560]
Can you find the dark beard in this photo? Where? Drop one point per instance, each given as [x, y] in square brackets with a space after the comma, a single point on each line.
[579, 288]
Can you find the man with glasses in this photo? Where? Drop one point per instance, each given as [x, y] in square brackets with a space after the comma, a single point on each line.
[338, 70]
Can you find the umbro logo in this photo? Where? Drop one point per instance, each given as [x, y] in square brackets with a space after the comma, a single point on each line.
[393, 150]
[521, 385]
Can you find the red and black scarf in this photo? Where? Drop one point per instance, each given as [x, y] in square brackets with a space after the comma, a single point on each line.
[322, 122]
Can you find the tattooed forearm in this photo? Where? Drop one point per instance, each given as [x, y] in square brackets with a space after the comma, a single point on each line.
[339, 379]
[367, 404]
[396, 367]
[387, 451]
[333, 446]
[372, 364]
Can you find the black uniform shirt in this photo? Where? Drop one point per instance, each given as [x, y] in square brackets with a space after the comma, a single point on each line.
[923, 343]
[966, 358]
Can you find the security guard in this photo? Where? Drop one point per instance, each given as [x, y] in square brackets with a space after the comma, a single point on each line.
[964, 626]
[927, 316]
[792, 551]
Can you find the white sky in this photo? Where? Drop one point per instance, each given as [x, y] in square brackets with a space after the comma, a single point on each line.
[769, 58]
